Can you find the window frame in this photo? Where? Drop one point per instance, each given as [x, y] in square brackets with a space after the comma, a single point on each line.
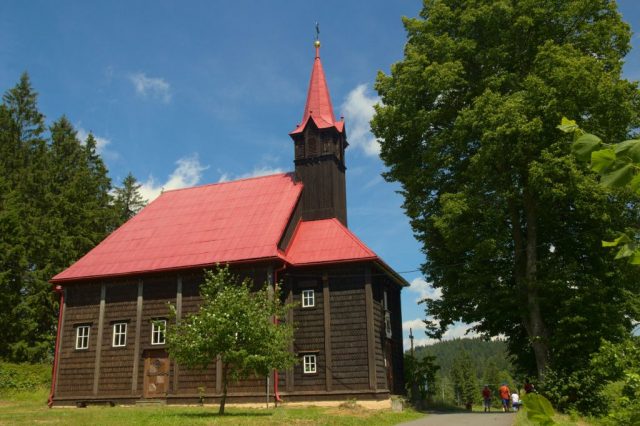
[388, 329]
[309, 360]
[118, 334]
[82, 338]
[308, 302]
[158, 332]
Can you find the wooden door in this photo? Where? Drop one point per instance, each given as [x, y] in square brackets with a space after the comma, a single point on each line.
[388, 362]
[156, 375]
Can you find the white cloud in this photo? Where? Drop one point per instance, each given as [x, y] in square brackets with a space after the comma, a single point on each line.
[358, 111]
[151, 87]
[258, 171]
[418, 327]
[424, 290]
[101, 142]
[187, 173]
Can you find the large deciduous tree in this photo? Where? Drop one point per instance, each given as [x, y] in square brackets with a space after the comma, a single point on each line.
[510, 222]
[235, 324]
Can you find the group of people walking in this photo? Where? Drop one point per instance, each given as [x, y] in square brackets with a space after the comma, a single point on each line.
[509, 399]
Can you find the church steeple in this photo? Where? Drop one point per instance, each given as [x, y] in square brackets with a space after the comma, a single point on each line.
[320, 142]
[318, 106]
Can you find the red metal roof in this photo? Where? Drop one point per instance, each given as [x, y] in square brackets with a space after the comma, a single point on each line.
[318, 107]
[324, 241]
[226, 222]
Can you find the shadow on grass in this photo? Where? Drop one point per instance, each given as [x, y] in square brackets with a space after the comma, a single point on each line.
[435, 408]
[239, 414]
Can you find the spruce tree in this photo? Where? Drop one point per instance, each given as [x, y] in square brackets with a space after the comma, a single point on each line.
[128, 200]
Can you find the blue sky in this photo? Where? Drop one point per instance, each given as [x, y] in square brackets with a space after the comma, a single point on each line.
[185, 93]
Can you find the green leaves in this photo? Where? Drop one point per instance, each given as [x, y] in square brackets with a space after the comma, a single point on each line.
[585, 145]
[55, 206]
[539, 409]
[603, 159]
[472, 112]
[568, 126]
[235, 324]
[618, 166]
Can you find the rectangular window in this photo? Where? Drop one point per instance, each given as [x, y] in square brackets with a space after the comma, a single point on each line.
[387, 324]
[309, 363]
[308, 298]
[82, 337]
[119, 334]
[158, 328]
[385, 302]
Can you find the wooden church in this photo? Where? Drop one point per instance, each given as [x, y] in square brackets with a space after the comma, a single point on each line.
[289, 228]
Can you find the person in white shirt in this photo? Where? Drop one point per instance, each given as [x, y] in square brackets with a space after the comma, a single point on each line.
[515, 401]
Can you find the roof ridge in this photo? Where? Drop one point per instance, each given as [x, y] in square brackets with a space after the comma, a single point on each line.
[354, 237]
[230, 181]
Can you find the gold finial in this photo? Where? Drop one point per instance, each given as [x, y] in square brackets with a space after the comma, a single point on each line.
[317, 42]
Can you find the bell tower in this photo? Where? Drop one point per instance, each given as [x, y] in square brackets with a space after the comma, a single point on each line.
[319, 145]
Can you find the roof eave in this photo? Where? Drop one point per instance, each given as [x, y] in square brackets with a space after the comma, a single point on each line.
[55, 280]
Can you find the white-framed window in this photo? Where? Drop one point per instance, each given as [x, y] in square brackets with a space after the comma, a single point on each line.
[385, 301]
[309, 364]
[82, 336]
[387, 324]
[119, 334]
[158, 328]
[308, 298]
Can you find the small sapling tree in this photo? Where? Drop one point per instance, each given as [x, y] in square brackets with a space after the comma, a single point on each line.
[236, 325]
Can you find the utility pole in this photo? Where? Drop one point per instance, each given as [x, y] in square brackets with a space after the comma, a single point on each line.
[414, 385]
[411, 338]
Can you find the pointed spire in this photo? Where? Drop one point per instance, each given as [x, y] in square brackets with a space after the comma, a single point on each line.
[318, 106]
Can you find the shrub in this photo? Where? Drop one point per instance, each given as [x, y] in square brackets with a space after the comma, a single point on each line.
[24, 377]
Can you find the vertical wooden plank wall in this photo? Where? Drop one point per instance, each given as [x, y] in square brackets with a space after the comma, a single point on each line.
[61, 337]
[289, 374]
[136, 345]
[327, 332]
[96, 369]
[371, 343]
[178, 317]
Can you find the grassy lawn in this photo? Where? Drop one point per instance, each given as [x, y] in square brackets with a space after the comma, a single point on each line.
[562, 420]
[30, 408]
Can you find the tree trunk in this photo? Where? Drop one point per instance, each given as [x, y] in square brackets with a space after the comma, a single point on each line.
[525, 271]
[225, 368]
[537, 330]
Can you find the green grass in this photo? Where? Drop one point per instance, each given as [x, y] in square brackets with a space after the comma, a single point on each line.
[561, 420]
[30, 408]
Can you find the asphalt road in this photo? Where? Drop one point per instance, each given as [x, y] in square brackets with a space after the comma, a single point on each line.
[472, 419]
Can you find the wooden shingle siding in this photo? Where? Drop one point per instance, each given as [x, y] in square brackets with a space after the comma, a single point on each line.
[396, 326]
[192, 379]
[348, 332]
[346, 324]
[309, 339]
[117, 362]
[76, 366]
[381, 373]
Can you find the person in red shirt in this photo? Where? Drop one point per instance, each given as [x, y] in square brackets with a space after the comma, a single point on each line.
[505, 395]
[486, 397]
[528, 387]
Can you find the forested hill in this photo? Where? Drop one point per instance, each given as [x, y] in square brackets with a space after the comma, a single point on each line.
[482, 353]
